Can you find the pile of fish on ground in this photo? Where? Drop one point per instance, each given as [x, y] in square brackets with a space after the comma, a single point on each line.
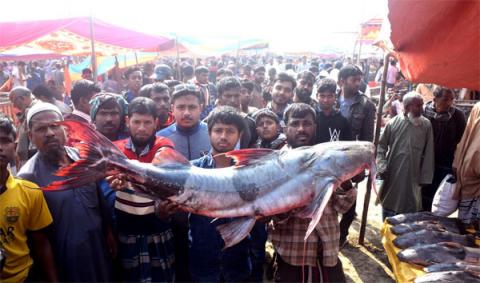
[439, 244]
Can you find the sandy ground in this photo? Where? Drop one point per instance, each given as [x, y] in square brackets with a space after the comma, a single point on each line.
[366, 263]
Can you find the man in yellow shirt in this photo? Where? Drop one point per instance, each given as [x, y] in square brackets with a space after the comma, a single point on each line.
[22, 209]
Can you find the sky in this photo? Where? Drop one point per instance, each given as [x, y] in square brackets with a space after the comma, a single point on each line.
[295, 25]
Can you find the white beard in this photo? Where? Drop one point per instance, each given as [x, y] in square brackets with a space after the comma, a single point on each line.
[414, 120]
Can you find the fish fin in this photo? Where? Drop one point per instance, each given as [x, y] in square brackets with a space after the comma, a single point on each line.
[248, 156]
[233, 232]
[319, 204]
[82, 132]
[99, 157]
[168, 156]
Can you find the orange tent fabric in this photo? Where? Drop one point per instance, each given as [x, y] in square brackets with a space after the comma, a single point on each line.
[437, 41]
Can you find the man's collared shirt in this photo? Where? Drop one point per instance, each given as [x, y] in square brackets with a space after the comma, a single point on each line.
[288, 236]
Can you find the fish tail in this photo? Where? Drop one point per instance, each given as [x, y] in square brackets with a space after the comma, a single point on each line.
[99, 157]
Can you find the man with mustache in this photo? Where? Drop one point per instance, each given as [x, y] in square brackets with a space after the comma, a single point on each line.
[25, 212]
[229, 94]
[317, 257]
[141, 232]
[81, 236]
[160, 94]
[108, 111]
[405, 158]
[360, 113]
[209, 262]
[190, 137]
[304, 89]
[282, 94]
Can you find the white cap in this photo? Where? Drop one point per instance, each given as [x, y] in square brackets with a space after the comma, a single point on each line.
[40, 107]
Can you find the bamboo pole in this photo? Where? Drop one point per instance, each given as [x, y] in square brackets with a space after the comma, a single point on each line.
[378, 126]
[93, 56]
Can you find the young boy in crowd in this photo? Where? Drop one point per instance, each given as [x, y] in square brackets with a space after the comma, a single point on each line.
[268, 130]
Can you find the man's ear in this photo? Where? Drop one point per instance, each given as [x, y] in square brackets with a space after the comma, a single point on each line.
[340, 82]
[127, 121]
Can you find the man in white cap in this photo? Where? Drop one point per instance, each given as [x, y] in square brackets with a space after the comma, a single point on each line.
[80, 233]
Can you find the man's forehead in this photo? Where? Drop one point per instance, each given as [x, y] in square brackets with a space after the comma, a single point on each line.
[307, 117]
[220, 125]
[46, 117]
[284, 83]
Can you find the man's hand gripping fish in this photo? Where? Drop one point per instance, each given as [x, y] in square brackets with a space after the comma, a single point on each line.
[263, 182]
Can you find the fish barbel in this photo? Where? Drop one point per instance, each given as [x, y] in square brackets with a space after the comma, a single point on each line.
[263, 182]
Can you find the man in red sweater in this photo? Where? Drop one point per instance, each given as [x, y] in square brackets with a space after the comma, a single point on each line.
[146, 248]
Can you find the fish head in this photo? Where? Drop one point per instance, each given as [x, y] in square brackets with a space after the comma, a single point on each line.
[344, 160]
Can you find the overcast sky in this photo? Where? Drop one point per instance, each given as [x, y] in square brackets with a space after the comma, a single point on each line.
[296, 25]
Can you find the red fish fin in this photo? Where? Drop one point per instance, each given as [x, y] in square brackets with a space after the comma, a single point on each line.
[319, 202]
[82, 132]
[99, 157]
[169, 156]
[248, 156]
[74, 182]
[233, 232]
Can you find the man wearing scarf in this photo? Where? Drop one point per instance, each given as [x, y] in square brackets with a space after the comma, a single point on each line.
[448, 124]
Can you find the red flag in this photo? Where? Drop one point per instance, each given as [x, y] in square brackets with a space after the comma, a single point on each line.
[437, 41]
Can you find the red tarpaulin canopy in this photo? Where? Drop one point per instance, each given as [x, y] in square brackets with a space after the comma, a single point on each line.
[72, 37]
[437, 41]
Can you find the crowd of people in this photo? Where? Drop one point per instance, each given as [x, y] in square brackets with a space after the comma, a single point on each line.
[105, 232]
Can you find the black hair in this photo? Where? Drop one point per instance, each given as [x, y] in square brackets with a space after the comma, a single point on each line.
[264, 112]
[201, 69]
[248, 85]
[160, 87]
[172, 83]
[284, 77]
[187, 70]
[43, 91]
[267, 96]
[6, 126]
[83, 88]
[327, 84]
[306, 75]
[146, 90]
[224, 72]
[226, 115]
[86, 70]
[259, 69]
[438, 91]
[227, 83]
[184, 90]
[298, 110]
[314, 69]
[272, 71]
[142, 105]
[349, 71]
[338, 65]
[131, 70]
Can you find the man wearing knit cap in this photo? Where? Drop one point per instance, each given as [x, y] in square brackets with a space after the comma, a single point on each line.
[81, 235]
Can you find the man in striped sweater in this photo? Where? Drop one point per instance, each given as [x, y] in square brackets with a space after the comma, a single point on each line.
[146, 247]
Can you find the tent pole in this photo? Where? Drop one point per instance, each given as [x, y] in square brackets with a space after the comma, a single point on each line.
[94, 56]
[179, 73]
[136, 59]
[378, 127]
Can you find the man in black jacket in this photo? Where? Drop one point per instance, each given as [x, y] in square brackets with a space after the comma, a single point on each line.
[331, 125]
[360, 113]
[448, 124]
